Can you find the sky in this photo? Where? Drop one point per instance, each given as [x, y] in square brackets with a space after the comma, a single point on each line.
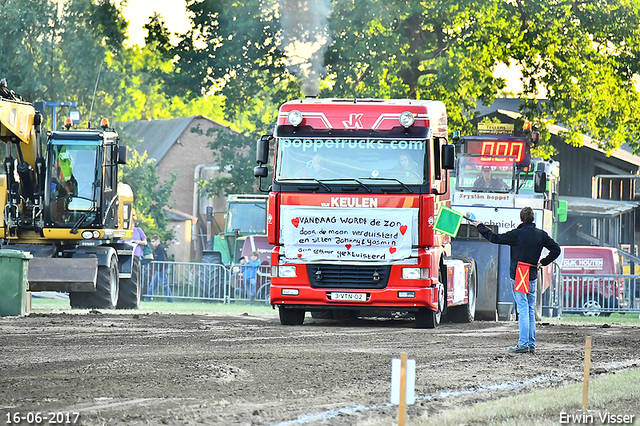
[137, 12]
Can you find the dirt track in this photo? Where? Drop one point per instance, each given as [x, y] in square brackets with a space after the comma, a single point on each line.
[139, 369]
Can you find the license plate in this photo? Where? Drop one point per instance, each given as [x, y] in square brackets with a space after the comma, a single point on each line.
[356, 297]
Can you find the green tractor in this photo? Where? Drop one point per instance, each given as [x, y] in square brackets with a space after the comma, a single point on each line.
[246, 215]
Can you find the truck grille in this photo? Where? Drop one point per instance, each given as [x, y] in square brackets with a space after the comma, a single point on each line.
[348, 276]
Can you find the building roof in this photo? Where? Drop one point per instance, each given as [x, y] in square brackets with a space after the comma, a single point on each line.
[625, 153]
[177, 215]
[159, 135]
[593, 207]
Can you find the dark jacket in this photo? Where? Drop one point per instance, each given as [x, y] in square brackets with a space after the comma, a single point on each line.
[160, 255]
[526, 243]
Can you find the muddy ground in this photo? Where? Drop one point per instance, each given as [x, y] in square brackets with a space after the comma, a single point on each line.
[138, 369]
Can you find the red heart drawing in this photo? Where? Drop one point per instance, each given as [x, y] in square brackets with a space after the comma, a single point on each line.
[299, 254]
[403, 229]
[295, 221]
[392, 250]
[348, 246]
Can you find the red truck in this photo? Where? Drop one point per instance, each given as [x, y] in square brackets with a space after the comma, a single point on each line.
[356, 188]
[589, 284]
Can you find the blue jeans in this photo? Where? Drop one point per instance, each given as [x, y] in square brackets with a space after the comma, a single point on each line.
[526, 304]
[161, 278]
[250, 287]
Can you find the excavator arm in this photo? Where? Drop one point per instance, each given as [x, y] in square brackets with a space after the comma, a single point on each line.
[23, 182]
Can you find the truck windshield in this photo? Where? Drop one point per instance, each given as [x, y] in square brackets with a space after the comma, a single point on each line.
[485, 174]
[247, 218]
[71, 182]
[326, 159]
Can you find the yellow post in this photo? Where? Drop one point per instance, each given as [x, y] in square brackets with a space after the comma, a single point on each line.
[587, 368]
[402, 406]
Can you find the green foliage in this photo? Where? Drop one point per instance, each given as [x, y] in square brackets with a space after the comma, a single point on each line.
[231, 65]
[235, 156]
[232, 50]
[149, 194]
[26, 48]
[582, 54]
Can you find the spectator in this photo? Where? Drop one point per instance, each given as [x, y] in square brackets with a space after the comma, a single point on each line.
[139, 239]
[249, 274]
[160, 275]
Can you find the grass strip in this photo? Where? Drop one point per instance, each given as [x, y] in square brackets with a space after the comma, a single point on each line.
[616, 395]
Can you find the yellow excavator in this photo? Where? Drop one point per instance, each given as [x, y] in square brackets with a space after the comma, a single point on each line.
[65, 206]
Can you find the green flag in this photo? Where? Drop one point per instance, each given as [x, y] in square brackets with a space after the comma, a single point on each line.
[448, 221]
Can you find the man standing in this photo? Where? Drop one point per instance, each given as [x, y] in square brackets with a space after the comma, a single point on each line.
[160, 269]
[526, 243]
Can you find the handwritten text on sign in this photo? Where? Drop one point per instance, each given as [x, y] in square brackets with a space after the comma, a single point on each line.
[313, 233]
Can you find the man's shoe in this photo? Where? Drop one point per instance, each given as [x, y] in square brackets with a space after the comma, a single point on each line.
[518, 350]
[532, 349]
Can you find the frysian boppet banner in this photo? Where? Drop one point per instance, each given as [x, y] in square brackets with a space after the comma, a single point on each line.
[315, 233]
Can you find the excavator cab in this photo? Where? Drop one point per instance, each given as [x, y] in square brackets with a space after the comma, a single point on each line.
[71, 183]
[81, 186]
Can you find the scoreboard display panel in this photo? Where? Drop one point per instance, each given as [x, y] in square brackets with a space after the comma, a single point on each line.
[518, 148]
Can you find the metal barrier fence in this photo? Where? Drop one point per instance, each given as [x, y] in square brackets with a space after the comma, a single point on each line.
[594, 295]
[202, 281]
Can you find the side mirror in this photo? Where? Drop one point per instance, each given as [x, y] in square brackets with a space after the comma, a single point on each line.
[122, 154]
[448, 157]
[262, 149]
[260, 171]
[540, 182]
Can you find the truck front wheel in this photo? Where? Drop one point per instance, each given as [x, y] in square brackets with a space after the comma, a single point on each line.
[426, 318]
[107, 289]
[131, 288]
[291, 316]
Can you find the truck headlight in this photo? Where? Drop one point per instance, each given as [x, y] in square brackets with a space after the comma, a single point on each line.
[411, 273]
[415, 273]
[287, 271]
[295, 117]
[407, 119]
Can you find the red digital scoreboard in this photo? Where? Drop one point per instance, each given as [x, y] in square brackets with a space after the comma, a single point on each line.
[520, 149]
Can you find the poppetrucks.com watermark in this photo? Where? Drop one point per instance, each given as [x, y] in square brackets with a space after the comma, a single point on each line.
[598, 417]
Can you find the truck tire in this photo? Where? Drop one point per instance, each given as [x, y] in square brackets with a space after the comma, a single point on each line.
[107, 289]
[131, 288]
[290, 316]
[467, 312]
[426, 318]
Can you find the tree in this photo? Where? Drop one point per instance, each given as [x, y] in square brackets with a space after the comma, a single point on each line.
[583, 54]
[236, 160]
[232, 50]
[150, 195]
